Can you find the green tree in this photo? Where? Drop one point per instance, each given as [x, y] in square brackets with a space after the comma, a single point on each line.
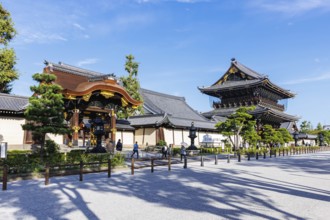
[306, 126]
[269, 135]
[7, 55]
[319, 127]
[45, 111]
[285, 135]
[250, 134]
[235, 124]
[132, 86]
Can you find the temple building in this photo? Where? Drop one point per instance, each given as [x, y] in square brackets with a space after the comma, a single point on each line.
[241, 86]
[89, 95]
[168, 118]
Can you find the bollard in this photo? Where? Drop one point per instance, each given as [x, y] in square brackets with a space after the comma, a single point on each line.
[47, 175]
[132, 166]
[4, 177]
[81, 171]
[169, 162]
[202, 161]
[264, 155]
[109, 168]
[239, 157]
[257, 156]
[152, 165]
[248, 156]
[216, 159]
[185, 162]
[228, 158]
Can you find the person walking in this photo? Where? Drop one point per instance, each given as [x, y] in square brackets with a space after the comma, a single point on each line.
[164, 151]
[135, 150]
[182, 152]
[119, 146]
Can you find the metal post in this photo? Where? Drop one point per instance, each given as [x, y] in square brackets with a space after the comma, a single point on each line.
[169, 162]
[185, 162]
[152, 165]
[132, 166]
[81, 171]
[202, 161]
[248, 156]
[228, 158]
[109, 168]
[264, 155]
[216, 159]
[4, 177]
[239, 157]
[47, 175]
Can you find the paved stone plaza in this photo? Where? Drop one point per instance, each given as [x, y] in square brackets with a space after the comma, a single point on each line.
[295, 187]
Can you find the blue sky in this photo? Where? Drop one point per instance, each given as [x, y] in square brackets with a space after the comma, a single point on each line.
[183, 44]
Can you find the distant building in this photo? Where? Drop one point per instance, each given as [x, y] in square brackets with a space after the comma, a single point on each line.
[241, 86]
[326, 127]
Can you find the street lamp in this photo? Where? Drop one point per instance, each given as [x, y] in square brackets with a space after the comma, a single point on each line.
[295, 137]
[98, 132]
[192, 136]
[321, 138]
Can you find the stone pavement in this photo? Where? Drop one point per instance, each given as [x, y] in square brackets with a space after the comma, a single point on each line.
[291, 187]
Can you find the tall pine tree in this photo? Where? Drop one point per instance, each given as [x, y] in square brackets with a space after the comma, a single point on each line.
[7, 55]
[132, 86]
[45, 111]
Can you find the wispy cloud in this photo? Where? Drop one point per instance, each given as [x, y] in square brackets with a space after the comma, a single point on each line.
[322, 77]
[87, 61]
[27, 37]
[78, 26]
[292, 6]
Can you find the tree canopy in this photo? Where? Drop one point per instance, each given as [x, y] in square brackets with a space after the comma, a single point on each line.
[45, 111]
[132, 86]
[240, 123]
[8, 73]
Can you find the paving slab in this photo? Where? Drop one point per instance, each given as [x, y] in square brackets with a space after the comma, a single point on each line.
[290, 187]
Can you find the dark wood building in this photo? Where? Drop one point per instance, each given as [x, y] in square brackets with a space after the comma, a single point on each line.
[241, 86]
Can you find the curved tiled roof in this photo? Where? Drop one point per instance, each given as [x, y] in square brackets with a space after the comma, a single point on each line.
[13, 103]
[224, 112]
[169, 109]
[176, 106]
[72, 69]
[253, 79]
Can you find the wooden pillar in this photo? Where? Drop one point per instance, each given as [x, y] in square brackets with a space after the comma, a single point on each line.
[75, 127]
[113, 126]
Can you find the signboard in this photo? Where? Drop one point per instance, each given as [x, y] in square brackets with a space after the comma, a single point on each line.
[3, 150]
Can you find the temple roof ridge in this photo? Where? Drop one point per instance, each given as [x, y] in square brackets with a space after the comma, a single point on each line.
[247, 70]
[72, 69]
[163, 94]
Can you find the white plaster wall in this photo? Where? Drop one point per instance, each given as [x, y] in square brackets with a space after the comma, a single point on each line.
[177, 136]
[11, 130]
[127, 137]
[58, 139]
[168, 134]
[139, 135]
[150, 136]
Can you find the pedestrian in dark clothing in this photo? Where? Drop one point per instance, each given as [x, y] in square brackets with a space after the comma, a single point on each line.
[119, 146]
[135, 150]
[164, 151]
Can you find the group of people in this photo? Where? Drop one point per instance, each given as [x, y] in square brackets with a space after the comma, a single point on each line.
[111, 147]
[165, 150]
